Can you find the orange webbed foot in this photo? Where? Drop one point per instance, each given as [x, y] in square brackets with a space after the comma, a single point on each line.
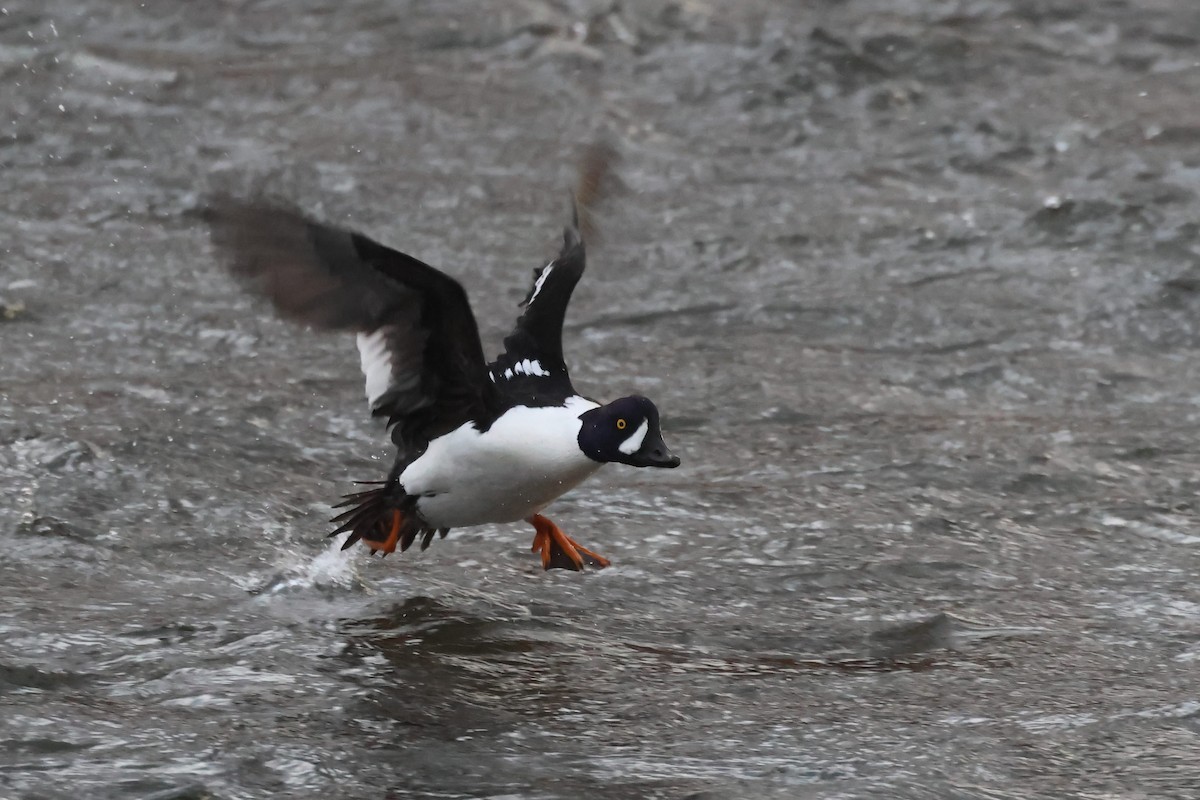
[389, 530]
[560, 551]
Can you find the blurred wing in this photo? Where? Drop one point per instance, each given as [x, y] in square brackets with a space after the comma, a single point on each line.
[417, 338]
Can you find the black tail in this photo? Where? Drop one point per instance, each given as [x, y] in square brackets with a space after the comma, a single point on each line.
[384, 518]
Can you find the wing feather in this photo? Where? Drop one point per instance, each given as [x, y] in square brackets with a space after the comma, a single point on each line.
[418, 340]
[532, 368]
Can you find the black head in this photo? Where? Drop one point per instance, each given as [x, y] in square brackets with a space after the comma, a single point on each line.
[625, 431]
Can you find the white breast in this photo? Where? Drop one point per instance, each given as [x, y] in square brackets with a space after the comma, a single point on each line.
[524, 461]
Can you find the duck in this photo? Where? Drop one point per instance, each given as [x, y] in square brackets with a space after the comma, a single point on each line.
[477, 442]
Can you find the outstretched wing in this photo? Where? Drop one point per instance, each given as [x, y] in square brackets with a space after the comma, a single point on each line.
[532, 369]
[417, 338]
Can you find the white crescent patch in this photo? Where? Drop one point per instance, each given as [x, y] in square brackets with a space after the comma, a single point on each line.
[634, 442]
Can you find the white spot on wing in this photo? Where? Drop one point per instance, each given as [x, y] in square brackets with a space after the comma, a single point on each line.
[528, 366]
[376, 363]
[634, 442]
[537, 286]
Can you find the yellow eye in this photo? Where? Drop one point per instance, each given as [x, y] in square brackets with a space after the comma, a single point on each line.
[620, 424]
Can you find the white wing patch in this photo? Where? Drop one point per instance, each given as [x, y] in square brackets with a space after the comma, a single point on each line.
[376, 363]
[530, 366]
[537, 286]
[634, 442]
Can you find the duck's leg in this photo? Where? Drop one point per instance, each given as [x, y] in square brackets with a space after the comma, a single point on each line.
[389, 533]
[560, 551]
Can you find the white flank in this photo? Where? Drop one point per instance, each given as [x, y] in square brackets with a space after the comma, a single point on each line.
[376, 363]
[537, 286]
[520, 465]
[631, 445]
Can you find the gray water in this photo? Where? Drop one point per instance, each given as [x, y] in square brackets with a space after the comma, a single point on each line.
[915, 284]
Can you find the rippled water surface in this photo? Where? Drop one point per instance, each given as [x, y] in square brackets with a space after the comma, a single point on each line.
[916, 285]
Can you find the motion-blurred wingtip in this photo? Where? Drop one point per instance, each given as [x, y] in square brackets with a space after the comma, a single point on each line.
[595, 166]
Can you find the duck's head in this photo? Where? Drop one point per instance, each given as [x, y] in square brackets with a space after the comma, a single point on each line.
[625, 431]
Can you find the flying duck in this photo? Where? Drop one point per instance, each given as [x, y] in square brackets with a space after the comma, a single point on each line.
[475, 442]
